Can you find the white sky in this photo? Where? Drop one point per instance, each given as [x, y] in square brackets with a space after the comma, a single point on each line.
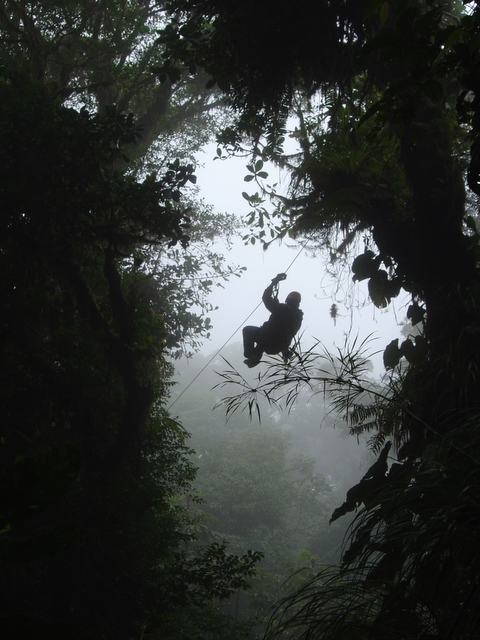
[221, 184]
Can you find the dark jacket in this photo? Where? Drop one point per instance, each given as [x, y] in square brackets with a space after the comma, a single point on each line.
[277, 333]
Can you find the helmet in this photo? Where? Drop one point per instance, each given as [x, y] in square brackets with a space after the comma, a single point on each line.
[294, 297]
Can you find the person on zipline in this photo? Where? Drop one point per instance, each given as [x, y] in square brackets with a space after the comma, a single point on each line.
[275, 335]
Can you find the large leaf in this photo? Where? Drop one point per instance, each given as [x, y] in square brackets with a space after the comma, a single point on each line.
[392, 355]
[363, 266]
[371, 481]
[379, 289]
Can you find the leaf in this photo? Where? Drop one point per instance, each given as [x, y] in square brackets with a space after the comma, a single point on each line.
[384, 10]
[453, 37]
[415, 313]
[363, 266]
[408, 350]
[372, 6]
[380, 467]
[392, 355]
[378, 289]
[248, 178]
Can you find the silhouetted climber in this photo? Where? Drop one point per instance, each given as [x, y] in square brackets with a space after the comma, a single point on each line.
[275, 335]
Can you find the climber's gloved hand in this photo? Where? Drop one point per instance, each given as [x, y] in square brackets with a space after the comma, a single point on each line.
[278, 277]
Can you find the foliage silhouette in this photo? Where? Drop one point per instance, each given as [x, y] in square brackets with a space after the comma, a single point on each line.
[87, 334]
[388, 129]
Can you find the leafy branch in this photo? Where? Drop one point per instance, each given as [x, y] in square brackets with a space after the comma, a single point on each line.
[343, 377]
[280, 384]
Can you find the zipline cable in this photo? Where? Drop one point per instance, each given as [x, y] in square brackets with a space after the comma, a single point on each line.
[228, 339]
[213, 357]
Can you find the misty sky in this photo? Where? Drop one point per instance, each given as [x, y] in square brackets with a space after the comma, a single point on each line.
[221, 184]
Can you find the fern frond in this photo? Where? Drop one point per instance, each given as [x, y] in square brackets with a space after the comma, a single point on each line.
[376, 442]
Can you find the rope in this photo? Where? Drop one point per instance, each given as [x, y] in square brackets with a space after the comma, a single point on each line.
[228, 339]
[213, 357]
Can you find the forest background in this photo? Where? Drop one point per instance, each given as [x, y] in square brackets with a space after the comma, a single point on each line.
[108, 258]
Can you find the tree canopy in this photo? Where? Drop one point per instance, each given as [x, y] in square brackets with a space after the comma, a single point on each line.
[94, 538]
[385, 95]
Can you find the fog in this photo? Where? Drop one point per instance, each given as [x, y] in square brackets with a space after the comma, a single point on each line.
[269, 486]
[221, 184]
[273, 485]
